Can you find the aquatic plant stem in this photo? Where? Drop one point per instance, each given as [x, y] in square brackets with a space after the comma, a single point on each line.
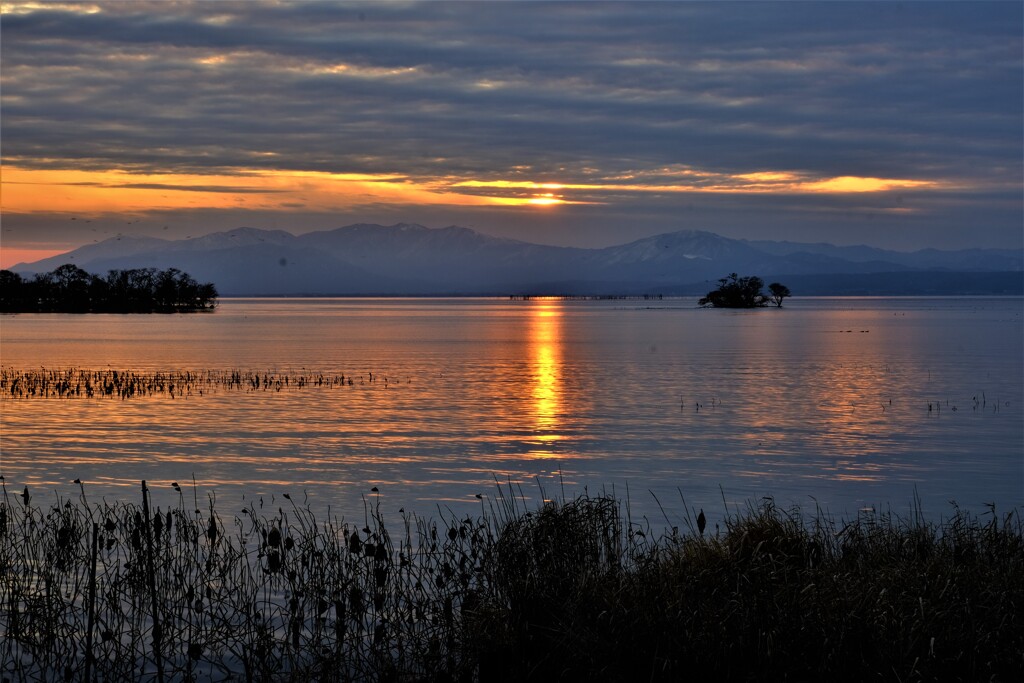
[92, 600]
[151, 576]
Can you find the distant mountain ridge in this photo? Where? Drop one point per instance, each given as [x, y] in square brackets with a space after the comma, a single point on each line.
[410, 259]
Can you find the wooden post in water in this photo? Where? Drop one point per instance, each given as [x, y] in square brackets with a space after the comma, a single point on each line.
[151, 575]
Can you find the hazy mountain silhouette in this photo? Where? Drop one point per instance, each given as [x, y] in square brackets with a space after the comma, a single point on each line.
[411, 259]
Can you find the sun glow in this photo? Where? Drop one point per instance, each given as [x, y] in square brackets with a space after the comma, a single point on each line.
[75, 191]
[545, 200]
[11, 257]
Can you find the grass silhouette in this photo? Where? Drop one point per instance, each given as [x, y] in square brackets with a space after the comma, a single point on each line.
[568, 591]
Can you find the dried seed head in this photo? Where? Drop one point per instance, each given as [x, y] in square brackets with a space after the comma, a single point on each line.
[354, 544]
[273, 562]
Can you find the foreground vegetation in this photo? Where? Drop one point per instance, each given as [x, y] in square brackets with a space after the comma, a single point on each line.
[70, 289]
[570, 591]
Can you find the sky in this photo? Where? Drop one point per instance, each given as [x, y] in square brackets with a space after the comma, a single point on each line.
[585, 124]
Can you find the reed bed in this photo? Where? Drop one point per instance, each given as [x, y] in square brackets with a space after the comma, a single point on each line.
[119, 592]
[71, 383]
[568, 591]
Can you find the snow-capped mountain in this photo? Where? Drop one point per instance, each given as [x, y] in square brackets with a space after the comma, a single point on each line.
[415, 260]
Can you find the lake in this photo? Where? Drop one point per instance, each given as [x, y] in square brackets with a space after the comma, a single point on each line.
[844, 403]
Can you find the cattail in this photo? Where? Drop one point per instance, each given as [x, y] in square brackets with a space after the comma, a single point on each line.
[273, 562]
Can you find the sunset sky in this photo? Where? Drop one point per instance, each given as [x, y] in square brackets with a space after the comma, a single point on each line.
[588, 124]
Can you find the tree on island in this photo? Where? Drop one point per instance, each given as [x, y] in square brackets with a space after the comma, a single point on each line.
[70, 289]
[744, 292]
[777, 292]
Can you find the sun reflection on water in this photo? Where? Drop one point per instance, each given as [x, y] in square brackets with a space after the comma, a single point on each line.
[832, 399]
[546, 358]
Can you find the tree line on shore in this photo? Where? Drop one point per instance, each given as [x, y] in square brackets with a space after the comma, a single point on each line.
[70, 289]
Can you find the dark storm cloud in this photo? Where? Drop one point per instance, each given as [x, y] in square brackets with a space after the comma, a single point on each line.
[560, 92]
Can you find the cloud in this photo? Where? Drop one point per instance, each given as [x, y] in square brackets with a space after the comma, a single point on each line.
[423, 98]
[194, 188]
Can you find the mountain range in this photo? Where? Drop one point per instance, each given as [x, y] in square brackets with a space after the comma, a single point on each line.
[410, 259]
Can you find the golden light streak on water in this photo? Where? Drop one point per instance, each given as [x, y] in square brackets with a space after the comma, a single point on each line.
[546, 357]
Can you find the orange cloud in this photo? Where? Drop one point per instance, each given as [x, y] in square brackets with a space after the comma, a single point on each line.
[74, 191]
[690, 181]
[855, 184]
[80, 191]
[29, 7]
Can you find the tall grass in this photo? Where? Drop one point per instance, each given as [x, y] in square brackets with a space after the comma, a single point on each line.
[568, 591]
[772, 596]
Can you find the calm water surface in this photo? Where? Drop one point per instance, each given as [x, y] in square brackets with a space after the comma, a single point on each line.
[825, 401]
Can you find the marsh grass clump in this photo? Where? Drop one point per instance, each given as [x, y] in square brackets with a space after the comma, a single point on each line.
[73, 383]
[543, 572]
[117, 591]
[572, 590]
[773, 595]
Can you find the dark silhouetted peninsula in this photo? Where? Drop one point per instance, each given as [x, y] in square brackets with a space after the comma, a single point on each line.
[70, 289]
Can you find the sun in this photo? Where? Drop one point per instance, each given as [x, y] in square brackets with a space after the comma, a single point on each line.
[547, 199]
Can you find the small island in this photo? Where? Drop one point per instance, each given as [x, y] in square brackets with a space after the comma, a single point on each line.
[70, 289]
[744, 292]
